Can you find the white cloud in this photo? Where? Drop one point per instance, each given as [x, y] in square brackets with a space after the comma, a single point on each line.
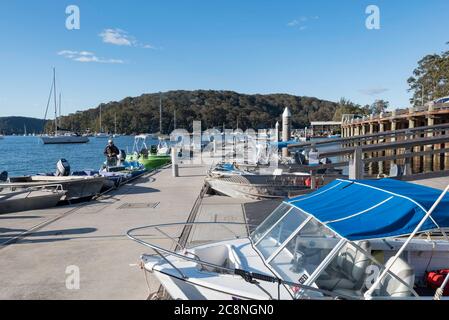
[116, 37]
[86, 56]
[293, 23]
[120, 37]
[300, 22]
[373, 91]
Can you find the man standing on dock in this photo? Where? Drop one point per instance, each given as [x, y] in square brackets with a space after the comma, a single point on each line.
[111, 152]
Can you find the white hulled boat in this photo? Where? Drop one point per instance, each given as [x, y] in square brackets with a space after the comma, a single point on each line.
[60, 136]
[371, 239]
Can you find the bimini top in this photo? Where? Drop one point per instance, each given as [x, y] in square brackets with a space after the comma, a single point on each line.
[369, 209]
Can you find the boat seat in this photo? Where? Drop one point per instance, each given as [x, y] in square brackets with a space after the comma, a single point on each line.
[347, 271]
[390, 286]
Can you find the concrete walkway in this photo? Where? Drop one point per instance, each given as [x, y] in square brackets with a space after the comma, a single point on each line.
[92, 237]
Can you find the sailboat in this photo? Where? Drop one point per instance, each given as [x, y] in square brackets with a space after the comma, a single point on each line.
[115, 135]
[60, 138]
[101, 134]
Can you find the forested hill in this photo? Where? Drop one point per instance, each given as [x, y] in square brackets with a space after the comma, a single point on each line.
[213, 108]
[17, 125]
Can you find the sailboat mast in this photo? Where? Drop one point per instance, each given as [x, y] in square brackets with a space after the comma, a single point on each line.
[60, 104]
[101, 127]
[115, 123]
[160, 112]
[174, 119]
[56, 104]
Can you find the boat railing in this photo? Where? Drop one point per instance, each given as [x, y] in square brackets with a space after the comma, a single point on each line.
[27, 186]
[248, 276]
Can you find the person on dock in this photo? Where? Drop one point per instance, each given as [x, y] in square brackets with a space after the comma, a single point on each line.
[111, 152]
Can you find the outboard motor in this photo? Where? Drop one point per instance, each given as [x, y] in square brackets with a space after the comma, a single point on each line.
[396, 171]
[300, 158]
[4, 176]
[62, 168]
[122, 155]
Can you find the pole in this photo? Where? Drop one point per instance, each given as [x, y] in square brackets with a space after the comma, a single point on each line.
[160, 112]
[56, 105]
[286, 129]
[174, 119]
[174, 164]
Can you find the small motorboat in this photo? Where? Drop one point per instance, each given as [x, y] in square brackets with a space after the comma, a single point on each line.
[153, 157]
[29, 199]
[366, 239]
[229, 180]
[76, 187]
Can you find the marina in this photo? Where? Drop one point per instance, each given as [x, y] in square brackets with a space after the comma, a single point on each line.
[95, 235]
[224, 158]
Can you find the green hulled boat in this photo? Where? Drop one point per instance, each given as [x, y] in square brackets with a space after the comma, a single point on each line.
[152, 157]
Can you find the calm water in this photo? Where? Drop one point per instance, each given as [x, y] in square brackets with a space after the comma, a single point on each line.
[28, 155]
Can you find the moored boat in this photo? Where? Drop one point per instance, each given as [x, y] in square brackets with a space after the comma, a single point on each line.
[29, 199]
[228, 179]
[65, 138]
[151, 157]
[362, 240]
[60, 136]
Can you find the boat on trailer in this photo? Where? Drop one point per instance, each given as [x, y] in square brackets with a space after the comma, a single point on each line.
[367, 239]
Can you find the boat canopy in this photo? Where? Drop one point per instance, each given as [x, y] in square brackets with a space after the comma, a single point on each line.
[283, 144]
[372, 209]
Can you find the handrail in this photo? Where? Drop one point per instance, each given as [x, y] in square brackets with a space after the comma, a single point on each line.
[246, 275]
[374, 136]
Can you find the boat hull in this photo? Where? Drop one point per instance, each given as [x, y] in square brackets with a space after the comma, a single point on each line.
[76, 187]
[151, 162]
[30, 200]
[180, 289]
[65, 140]
[258, 187]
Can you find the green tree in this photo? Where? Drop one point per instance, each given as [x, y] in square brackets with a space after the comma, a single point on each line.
[379, 106]
[346, 106]
[430, 79]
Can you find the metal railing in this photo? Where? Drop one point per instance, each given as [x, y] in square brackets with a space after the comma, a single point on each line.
[250, 277]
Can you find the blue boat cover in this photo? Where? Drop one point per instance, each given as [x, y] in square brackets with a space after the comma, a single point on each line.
[371, 209]
[283, 144]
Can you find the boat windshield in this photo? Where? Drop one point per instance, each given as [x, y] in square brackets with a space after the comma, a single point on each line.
[140, 143]
[293, 243]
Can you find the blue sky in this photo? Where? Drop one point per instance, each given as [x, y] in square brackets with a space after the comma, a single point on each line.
[126, 48]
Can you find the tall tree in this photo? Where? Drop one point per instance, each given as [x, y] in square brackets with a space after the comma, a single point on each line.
[430, 79]
[379, 106]
[346, 106]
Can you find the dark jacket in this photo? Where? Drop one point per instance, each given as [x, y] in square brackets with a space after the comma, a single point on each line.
[111, 151]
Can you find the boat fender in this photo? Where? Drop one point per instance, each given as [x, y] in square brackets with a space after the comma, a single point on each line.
[434, 280]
